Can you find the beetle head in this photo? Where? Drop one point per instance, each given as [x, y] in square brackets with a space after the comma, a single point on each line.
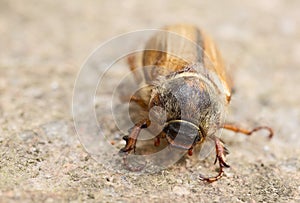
[191, 108]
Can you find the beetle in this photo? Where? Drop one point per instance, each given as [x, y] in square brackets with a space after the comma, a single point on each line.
[189, 84]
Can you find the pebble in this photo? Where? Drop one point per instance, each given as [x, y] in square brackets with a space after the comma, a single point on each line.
[180, 191]
[54, 85]
[266, 148]
[27, 135]
[57, 129]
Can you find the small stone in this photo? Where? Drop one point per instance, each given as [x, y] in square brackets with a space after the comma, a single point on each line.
[57, 129]
[266, 148]
[54, 85]
[181, 191]
[27, 135]
[179, 181]
[34, 92]
[48, 200]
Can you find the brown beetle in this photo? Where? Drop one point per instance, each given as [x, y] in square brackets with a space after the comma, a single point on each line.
[189, 84]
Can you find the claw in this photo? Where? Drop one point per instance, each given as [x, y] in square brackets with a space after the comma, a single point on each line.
[221, 151]
[128, 147]
[131, 140]
[126, 138]
[216, 159]
[212, 179]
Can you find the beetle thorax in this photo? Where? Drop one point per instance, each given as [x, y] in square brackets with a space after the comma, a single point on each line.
[188, 98]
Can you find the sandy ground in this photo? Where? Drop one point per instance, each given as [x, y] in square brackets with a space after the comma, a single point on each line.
[44, 44]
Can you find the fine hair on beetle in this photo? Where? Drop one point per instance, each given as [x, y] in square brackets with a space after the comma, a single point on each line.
[183, 95]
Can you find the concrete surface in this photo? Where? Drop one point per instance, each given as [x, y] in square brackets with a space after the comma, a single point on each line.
[44, 43]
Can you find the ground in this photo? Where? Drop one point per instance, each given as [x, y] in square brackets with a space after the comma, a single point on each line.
[44, 44]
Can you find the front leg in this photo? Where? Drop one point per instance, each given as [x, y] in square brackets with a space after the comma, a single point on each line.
[221, 152]
[133, 136]
[131, 140]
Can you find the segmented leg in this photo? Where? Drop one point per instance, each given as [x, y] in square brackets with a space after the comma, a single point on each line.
[133, 98]
[190, 151]
[221, 152]
[247, 132]
[132, 137]
[157, 141]
[131, 140]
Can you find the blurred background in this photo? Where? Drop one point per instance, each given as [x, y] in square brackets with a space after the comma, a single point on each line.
[42, 47]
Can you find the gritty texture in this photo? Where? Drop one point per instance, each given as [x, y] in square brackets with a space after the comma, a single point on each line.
[43, 45]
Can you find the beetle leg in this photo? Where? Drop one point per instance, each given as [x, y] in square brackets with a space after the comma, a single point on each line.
[245, 131]
[133, 98]
[190, 151]
[221, 152]
[157, 141]
[158, 137]
[131, 140]
[132, 137]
